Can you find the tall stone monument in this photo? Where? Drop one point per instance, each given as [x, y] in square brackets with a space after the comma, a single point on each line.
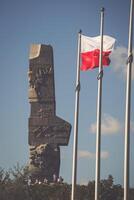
[47, 132]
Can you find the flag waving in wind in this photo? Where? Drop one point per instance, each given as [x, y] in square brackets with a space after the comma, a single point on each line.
[90, 51]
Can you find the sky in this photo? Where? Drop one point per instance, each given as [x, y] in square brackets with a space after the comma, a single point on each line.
[58, 23]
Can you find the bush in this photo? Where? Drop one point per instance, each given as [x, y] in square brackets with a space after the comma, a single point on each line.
[14, 186]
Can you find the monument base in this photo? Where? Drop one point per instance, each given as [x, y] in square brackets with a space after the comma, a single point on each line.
[44, 162]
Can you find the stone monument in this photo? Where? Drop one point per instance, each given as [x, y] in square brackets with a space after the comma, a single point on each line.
[47, 132]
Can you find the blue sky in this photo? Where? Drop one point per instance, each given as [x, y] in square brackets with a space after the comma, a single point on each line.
[57, 23]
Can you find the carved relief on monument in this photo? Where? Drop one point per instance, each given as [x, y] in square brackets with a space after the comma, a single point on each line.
[36, 80]
[48, 130]
[43, 110]
[47, 134]
[44, 161]
[40, 84]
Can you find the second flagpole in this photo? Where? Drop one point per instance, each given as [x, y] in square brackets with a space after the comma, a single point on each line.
[99, 102]
[128, 105]
[76, 118]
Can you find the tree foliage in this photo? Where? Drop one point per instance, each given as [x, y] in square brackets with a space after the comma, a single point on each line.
[14, 186]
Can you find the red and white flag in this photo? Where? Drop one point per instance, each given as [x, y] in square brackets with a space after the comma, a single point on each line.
[90, 51]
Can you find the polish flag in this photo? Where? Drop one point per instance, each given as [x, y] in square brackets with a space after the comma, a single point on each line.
[90, 51]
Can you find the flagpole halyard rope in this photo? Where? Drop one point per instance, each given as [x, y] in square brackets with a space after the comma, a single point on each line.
[130, 58]
[100, 75]
[78, 87]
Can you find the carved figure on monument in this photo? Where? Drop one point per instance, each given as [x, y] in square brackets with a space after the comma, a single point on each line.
[47, 132]
[39, 80]
[44, 162]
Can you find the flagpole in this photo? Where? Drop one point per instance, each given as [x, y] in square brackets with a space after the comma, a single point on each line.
[128, 105]
[76, 118]
[99, 102]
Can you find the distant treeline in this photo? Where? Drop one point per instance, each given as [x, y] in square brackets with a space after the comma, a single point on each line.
[14, 186]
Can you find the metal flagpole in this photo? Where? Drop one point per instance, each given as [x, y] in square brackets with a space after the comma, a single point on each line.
[99, 100]
[128, 105]
[76, 118]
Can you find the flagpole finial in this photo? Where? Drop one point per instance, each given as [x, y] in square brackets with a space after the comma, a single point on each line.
[80, 31]
[102, 9]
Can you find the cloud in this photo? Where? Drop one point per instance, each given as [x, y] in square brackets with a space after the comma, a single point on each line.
[86, 154]
[91, 155]
[118, 61]
[109, 125]
[104, 154]
[83, 182]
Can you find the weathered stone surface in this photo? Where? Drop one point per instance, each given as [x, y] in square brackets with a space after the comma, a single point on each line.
[44, 162]
[46, 131]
